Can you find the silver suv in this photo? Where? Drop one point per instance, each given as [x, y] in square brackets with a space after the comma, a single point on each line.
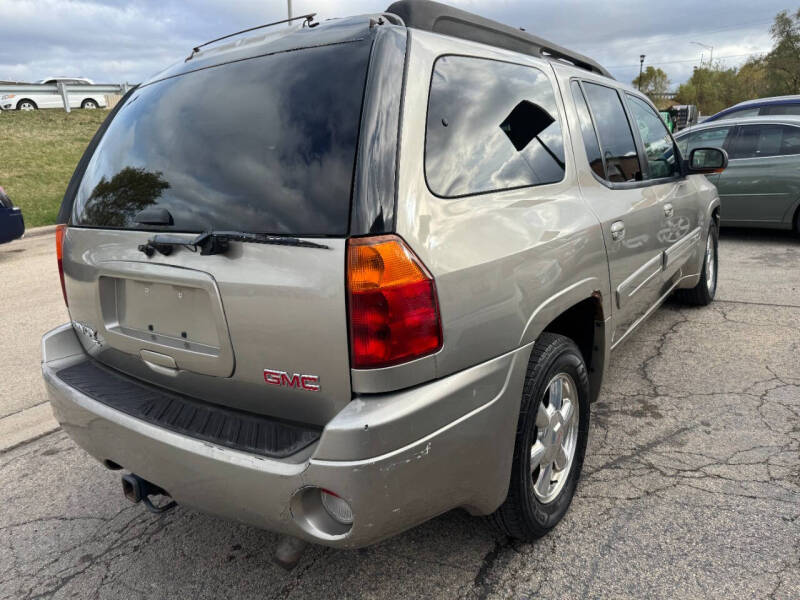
[338, 278]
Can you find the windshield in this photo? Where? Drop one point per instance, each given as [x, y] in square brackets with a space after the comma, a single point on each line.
[266, 144]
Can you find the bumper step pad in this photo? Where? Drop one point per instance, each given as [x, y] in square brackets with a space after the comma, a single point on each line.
[234, 429]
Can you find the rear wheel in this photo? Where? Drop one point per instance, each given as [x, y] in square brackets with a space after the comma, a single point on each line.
[89, 103]
[703, 293]
[551, 440]
[26, 104]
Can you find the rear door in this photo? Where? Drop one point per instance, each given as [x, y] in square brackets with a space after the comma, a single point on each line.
[678, 231]
[628, 210]
[761, 183]
[263, 145]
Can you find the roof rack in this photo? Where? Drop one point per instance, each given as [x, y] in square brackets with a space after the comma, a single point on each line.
[440, 18]
[307, 20]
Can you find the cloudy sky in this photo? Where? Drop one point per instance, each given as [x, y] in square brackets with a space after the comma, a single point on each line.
[127, 40]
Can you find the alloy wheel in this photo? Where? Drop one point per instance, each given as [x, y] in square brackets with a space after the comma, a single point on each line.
[553, 452]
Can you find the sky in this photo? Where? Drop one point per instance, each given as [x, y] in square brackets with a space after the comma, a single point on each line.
[126, 41]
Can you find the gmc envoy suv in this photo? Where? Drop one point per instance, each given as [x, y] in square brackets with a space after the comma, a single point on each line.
[334, 279]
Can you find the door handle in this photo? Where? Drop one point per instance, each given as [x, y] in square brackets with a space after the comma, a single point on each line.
[617, 230]
[668, 210]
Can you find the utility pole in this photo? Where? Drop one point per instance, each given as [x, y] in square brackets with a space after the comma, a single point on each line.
[641, 64]
[289, 8]
[711, 53]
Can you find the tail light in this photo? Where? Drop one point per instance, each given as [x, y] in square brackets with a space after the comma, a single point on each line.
[60, 231]
[394, 313]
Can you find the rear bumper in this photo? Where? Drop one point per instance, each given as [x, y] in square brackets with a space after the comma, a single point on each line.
[398, 459]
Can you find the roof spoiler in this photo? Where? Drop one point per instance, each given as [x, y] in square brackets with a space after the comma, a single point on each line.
[440, 18]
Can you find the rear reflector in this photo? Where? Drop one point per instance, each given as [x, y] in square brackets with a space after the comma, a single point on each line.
[60, 231]
[394, 312]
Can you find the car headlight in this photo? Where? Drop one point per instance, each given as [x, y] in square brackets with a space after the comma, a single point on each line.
[7, 97]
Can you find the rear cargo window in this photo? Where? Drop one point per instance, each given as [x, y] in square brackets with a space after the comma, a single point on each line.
[491, 126]
[266, 145]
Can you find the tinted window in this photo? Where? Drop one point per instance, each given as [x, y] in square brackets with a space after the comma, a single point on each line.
[658, 147]
[758, 141]
[706, 138]
[738, 114]
[587, 131]
[266, 144]
[491, 126]
[781, 109]
[616, 139]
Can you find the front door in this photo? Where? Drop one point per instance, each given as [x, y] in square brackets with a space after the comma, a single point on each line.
[677, 221]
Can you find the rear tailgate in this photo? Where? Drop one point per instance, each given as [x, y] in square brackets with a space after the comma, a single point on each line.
[262, 145]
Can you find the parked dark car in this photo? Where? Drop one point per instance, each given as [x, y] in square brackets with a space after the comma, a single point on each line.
[761, 107]
[12, 225]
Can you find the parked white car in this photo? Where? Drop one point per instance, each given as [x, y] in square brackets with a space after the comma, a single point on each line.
[32, 100]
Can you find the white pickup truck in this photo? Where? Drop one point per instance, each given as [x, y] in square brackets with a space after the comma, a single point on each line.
[32, 100]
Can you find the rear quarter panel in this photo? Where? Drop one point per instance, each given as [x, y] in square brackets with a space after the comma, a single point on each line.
[505, 262]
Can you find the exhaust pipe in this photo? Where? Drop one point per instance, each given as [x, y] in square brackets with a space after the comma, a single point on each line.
[138, 490]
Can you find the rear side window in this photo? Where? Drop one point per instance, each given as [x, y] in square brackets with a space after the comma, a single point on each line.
[759, 141]
[265, 145]
[587, 131]
[658, 147]
[781, 109]
[491, 126]
[616, 138]
[741, 113]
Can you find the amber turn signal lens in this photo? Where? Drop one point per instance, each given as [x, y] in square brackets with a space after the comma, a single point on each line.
[60, 231]
[394, 310]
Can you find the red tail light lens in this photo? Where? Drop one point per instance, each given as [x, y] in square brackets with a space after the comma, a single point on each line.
[60, 231]
[394, 313]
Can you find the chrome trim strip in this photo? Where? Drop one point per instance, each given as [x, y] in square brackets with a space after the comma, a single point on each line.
[681, 247]
[624, 291]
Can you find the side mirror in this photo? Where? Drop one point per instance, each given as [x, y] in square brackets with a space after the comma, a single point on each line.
[707, 161]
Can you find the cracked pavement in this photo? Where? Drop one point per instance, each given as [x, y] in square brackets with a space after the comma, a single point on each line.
[691, 487]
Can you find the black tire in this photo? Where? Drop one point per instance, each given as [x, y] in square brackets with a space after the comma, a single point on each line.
[523, 516]
[703, 294]
[89, 103]
[26, 104]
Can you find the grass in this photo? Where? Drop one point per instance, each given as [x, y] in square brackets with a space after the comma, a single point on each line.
[38, 153]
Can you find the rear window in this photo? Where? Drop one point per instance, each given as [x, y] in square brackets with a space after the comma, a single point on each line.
[265, 145]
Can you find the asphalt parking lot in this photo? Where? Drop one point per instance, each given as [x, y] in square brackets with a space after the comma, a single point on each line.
[691, 486]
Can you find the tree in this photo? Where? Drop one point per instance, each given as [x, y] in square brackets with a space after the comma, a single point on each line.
[653, 82]
[711, 88]
[115, 202]
[783, 62]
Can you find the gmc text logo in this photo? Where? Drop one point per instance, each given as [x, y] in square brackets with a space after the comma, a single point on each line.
[310, 383]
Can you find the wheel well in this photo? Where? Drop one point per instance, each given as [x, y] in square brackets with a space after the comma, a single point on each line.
[21, 100]
[796, 219]
[715, 216]
[578, 323]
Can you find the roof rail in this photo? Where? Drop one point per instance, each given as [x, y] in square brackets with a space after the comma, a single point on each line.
[440, 18]
[307, 20]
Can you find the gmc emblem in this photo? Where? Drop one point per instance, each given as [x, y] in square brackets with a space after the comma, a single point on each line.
[309, 383]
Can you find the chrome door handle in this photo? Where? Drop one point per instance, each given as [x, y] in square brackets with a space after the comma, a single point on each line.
[617, 230]
[668, 210]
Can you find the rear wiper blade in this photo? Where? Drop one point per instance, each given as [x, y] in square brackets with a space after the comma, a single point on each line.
[217, 242]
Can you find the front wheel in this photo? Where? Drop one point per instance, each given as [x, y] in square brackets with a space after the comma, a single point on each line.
[703, 293]
[26, 105]
[551, 440]
[89, 103]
